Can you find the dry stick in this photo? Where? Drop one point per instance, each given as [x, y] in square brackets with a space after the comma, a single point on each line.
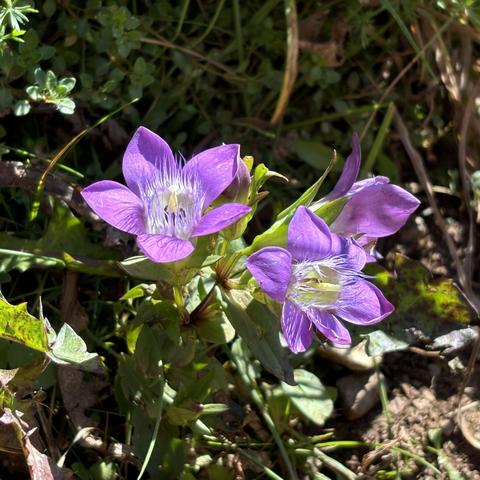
[464, 280]
[466, 188]
[188, 51]
[26, 177]
[419, 168]
[291, 66]
[469, 251]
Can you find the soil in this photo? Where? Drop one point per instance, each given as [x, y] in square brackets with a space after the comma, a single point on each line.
[422, 395]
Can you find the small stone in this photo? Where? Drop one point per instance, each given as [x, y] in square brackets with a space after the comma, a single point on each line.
[355, 358]
[358, 393]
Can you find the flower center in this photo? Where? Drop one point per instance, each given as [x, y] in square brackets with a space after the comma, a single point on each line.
[316, 284]
[173, 203]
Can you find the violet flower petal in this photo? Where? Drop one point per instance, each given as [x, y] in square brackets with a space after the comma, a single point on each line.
[163, 249]
[272, 269]
[146, 153]
[238, 189]
[296, 328]
[330, 327]
[362, 303]
[349, 173]
[219, 218]
[348, 248]
[116, 204]
[376, 211]
[367, 182]
[216, 168]
[309, 237]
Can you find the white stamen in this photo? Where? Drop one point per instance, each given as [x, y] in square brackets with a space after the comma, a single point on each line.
[318, 284]
[173, 202]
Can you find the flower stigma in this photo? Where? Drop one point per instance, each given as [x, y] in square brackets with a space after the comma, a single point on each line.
[318, 284]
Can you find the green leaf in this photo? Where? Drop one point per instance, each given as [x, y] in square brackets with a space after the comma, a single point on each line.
[40, 78]
[18, 325]
[310, 397]
[65, 105]
[21, 108]
[216, 329]
[143, 268]
[50, 82]
[380, 342]
[67, 83]
[307, 197]
[277, 233]
[249, 370]
[65, 243]
[260, 176]
[313, 153]
[331, 210]
[175, 273]
[138, 291]
[33, 92]
[70, 349]
[257, 326]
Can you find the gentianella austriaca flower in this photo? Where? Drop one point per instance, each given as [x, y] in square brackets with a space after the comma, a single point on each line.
[166, 201]
[375, 208]
[318, 276]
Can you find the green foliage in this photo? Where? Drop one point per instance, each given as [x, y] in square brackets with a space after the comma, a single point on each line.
[200, 373]
[65, 243]
[18, 325]
[48, 89]
[259, 329]
[309, 395]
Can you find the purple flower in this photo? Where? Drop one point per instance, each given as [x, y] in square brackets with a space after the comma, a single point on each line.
[375, 208]
[165, 202]
[239, 188]
[318, 278]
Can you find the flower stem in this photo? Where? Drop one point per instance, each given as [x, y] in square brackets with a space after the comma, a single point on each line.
[180, 302]
[153, 440]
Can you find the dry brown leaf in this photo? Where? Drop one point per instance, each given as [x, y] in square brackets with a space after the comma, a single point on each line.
[39, 465]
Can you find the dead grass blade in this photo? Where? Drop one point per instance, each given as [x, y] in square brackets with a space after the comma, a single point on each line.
[291, 66]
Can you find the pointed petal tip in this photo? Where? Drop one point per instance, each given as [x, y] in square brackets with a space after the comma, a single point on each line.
[309, 237]
[216, 168]
[115, 204]
[350, 171]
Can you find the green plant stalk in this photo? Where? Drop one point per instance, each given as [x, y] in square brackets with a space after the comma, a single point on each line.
[224, 443]
[443, 461]
[257, 398]
[179, 301]
[382, 391]
[210, 26]
[181, 20]
[63, 151]
[388, 6]
[379, 140]
[153, 440]
[357, 444]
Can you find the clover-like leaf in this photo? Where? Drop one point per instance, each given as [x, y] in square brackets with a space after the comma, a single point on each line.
[70, 349]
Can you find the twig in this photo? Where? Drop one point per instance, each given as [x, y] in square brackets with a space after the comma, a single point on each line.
[466, 188]
[421, 172]
[192, 53]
